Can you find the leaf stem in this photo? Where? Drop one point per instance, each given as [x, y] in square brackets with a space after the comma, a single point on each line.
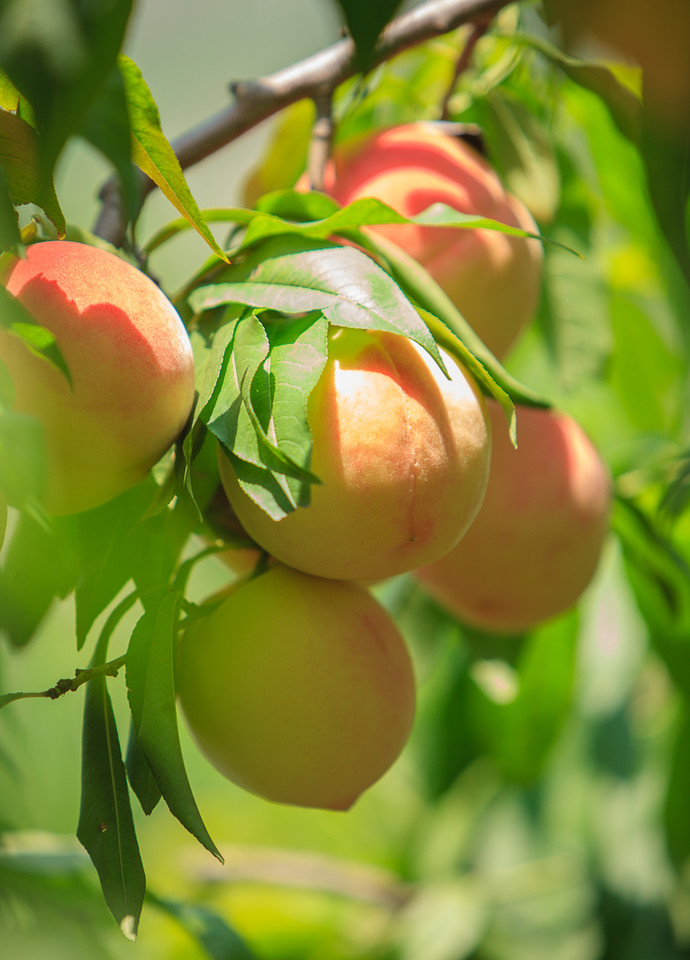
[69, 684]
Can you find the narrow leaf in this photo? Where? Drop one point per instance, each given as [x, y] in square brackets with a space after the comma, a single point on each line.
[106, 828]
[218, 940]
[365, 21]
[20, 162]
[153, 154]
[151, 691]
[140, 774]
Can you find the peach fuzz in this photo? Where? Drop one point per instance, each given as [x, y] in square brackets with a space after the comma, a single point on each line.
[536, 542]
[298, 689]
[131, 365]
[493, 279]
[403, 455]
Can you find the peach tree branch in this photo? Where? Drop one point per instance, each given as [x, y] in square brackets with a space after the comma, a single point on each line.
[316, 78]
[69, 684]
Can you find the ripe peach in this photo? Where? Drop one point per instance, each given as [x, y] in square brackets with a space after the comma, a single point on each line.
[493, 279]
[536, 541]
[131, 365]
[298, 689]
[403, 454]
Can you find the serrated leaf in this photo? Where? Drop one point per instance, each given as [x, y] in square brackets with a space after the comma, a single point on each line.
[151, 692]
[106, 828]
[140, 774]
[40, 341]
[271, 449]
[153, 154]
[211, 932]
[297, 275]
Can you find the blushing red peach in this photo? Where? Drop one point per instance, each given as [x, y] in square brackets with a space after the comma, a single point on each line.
[298, 689]
[131, 366]
[535, 544]
[493, 279]
[403, 456]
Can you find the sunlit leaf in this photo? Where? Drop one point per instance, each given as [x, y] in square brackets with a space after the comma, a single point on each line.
[153, 154]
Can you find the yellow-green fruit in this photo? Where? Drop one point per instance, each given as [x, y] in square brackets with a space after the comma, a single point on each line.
[298, 689]
[131, 366]
[403, 454]
[537, 539]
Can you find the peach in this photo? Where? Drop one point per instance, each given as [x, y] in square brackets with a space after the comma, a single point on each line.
[493, 279]
[131, 366]
[537, 539]
[403, 455]
[298, 689]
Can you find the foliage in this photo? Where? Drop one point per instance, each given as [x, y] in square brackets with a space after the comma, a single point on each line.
[540, 809]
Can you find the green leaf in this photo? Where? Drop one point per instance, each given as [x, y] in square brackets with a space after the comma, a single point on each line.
[19, 156]
[58, 54]
[106, 127]
[40, 341]
[22, 459]
[108, 543]
[260, 414]
[153, 154]
[38, 565]
[218, 940]
[621, 102]
[106, 828]
[151, 692]
[140, 774]
[10, 238]
[296, 275]
[365, 21]
[666, 156]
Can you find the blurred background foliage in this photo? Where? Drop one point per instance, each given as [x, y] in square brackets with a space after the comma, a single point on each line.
[540, 809]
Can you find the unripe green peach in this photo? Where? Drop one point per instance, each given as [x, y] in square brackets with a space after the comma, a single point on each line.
[535, 544]
[493, 279]
[403, 456]
[298, 689]
[131, 366]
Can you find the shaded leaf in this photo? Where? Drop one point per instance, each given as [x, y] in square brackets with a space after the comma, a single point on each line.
[218, 940]
[153, 154]
[58, 54]
[39, 340]
[151, 692]
[106, 828]
[19, 160]
[365, 21]
[106, 127]
[10, 238]
[140, 774]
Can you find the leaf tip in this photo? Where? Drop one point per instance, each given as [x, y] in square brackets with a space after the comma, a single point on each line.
[128, 926]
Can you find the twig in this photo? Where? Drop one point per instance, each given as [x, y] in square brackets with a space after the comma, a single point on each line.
[321, 139]
[479, 28]
[69, 684]
[256, 100]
